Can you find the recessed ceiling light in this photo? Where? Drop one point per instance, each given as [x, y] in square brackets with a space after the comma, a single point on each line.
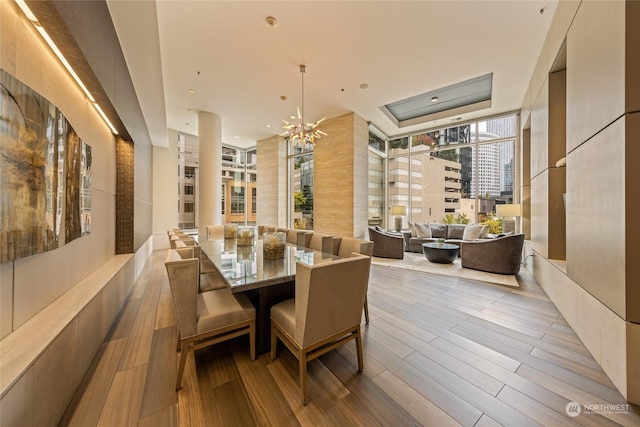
[236, 137]
[188, 124]
[271, 21]
[364, 86]
[192, 91]
[268, 125]
[292, 117]
[434, 99]
[189, 110]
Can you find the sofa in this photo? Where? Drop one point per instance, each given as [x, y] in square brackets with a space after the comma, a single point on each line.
[420, 233]
[385, 244]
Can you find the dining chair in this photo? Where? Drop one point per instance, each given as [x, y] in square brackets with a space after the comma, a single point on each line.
[209, 279]
[349, 246]
[206, 318]
[297, 237]
[321, 242]
[324, 314]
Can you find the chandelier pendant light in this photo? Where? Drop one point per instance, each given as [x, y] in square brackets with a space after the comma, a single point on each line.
[302, 133]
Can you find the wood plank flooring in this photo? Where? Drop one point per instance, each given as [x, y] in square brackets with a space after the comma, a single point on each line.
[439, 351]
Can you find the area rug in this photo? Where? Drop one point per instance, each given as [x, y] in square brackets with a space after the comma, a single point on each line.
[416, 261]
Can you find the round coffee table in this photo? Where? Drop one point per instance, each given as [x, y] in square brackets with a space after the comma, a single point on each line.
[442, 253]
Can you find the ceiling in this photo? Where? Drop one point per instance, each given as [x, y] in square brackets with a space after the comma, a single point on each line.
[239, 67]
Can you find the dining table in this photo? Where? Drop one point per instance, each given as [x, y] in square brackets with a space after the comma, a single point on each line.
[266, 282]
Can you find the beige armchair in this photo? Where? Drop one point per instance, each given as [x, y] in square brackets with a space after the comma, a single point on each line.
[206, 318]
[349, 246]
[324, 314]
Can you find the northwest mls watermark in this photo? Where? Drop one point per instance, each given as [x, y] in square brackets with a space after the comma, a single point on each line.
[573, 409]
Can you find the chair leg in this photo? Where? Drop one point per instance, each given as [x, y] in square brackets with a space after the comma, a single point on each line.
[274, 342]
[359, 349]
[252, 340]
[303, 377]
[183, 360]
[366, 310]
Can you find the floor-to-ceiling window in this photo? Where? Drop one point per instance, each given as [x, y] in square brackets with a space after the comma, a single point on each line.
[239, 189]
[453, 174]
[376, 179]
[301, 187]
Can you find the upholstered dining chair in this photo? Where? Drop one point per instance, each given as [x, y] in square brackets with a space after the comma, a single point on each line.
[297, 237]
[324, 314]
[322, 242]
[349, 246]
[206, 318]
[209, 279]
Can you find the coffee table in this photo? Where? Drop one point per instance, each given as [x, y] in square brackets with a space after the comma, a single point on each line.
[442, 253]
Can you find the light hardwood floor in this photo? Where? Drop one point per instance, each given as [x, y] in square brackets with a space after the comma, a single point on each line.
[438, 351]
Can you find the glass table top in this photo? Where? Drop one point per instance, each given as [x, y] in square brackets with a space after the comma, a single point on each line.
[244, 267]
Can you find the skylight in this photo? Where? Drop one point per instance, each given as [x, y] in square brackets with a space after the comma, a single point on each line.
[463, 97]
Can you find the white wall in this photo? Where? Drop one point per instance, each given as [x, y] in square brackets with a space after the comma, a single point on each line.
[165, 191]
[30, 284]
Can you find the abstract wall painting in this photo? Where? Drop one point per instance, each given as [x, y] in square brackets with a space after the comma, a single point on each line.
[45, 174]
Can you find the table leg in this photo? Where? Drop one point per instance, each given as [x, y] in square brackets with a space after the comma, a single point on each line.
[263, 299]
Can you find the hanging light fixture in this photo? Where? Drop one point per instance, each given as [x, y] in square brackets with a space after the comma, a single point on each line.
[302, 133]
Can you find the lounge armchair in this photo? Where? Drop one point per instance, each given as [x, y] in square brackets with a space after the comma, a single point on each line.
[386, 245]
[501, 255]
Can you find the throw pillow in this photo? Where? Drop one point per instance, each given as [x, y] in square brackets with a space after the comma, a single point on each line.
[438, 231]
[413, 229]
[472, 232]
[484, 234]
[455, 231]
[423, 230]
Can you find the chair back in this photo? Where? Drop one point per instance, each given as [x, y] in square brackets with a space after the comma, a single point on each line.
[297, 237]
[329, 297]
[183, 281]
[348, 245]
[215, 232]
[264, 228]
[321, 242]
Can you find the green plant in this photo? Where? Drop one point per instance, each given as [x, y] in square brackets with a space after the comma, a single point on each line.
[495, 224]
[463, 219]
[448, 219]
[460, 219]
[298, 201]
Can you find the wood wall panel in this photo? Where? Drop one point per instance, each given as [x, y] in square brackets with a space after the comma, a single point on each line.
[540, 132]
[595, 69]
[595, 206]
[565, 12]
[540, 213]
[340, 177]
[271, 172]
[632, 56]
[632, 207]
[333, 178]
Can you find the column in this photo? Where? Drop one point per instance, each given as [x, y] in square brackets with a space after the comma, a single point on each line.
[209, 170]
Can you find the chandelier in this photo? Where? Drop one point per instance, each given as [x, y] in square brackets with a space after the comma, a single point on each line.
[302, 133]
